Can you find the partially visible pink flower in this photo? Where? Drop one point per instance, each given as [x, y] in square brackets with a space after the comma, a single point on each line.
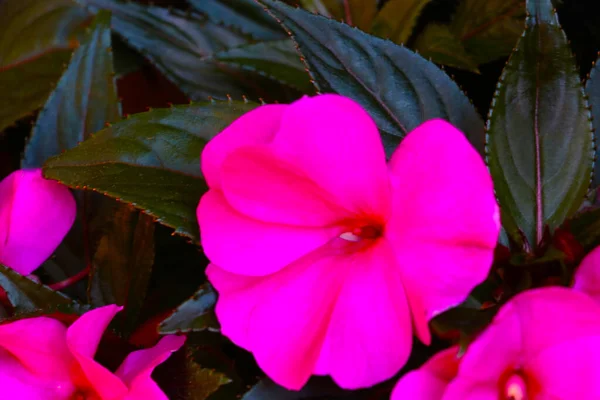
[544, 344]
[326, 259]
[429, 382]
[35, 216]
[587, 276]
[41, 359]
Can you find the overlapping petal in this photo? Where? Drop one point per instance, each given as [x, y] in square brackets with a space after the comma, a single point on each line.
[238, 243]
[256, 127]
[429, 382]
[136, 370]
[310, 229]
[39, 344]
[531, 334]
[35, 216]
[445, 220]
[83, 338]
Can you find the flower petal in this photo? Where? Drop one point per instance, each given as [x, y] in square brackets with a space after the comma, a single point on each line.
[83, 338]
[587, 276]
[522, 335]
[257, 126]
[35, 216]
[332, 140]
[266, 187]
[429, 382]
[243, 245]
[569, 370]
[39, 344]
[283, 318]
[370, 333]
[445, 221]
[136, 369]
[18, 382]
[309, 317]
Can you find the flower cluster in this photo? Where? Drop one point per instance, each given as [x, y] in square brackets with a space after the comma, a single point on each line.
[326, 262]
[41, 359]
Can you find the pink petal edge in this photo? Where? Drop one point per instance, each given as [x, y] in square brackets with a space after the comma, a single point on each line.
[35, 216]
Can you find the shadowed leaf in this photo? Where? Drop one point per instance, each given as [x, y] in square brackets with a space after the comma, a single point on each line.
[398, 88]
[194, 315]
[540, 142]
[151, 160]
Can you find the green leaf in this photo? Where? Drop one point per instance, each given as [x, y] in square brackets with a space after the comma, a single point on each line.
[540, 141]
[439, 44]
[397, 19]
[84, 101]
[28, 296]
[25, 87]
[126, 60]
[246, 16]
[398, 88]
[122, 263]
[151, 160]
[30, 28]
[277, 60]
[202, 382]
[195, 315]
[180, 46]
[489, 29]
[592, 89]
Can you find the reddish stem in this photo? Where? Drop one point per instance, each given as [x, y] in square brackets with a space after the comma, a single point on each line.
[348, 12]
[70, 281]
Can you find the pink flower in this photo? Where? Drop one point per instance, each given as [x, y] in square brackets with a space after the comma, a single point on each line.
[35, 216]
[544, 344]
[40, 359]
[430, 381]
[324, 257]
[587, 276]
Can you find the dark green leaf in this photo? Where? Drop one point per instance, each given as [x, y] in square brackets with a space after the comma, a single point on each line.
[25, 87]
[277, 60]
[28, 296]
[540, 143]
[439, 44]
[84, 101]
[592, 89]
[122, 263]
[397, 19]
[247, 16]
[489, 29]
[29, 28]
[180, 46]
[399, 88]
[150, 160]
[125, 59]
[194, 315]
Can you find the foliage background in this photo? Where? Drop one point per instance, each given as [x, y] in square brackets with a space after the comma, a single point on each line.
[168, 269]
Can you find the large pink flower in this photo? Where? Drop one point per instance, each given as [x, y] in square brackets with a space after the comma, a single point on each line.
[543, 345]
[324, 257]
[40, 359]
[35, 216]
